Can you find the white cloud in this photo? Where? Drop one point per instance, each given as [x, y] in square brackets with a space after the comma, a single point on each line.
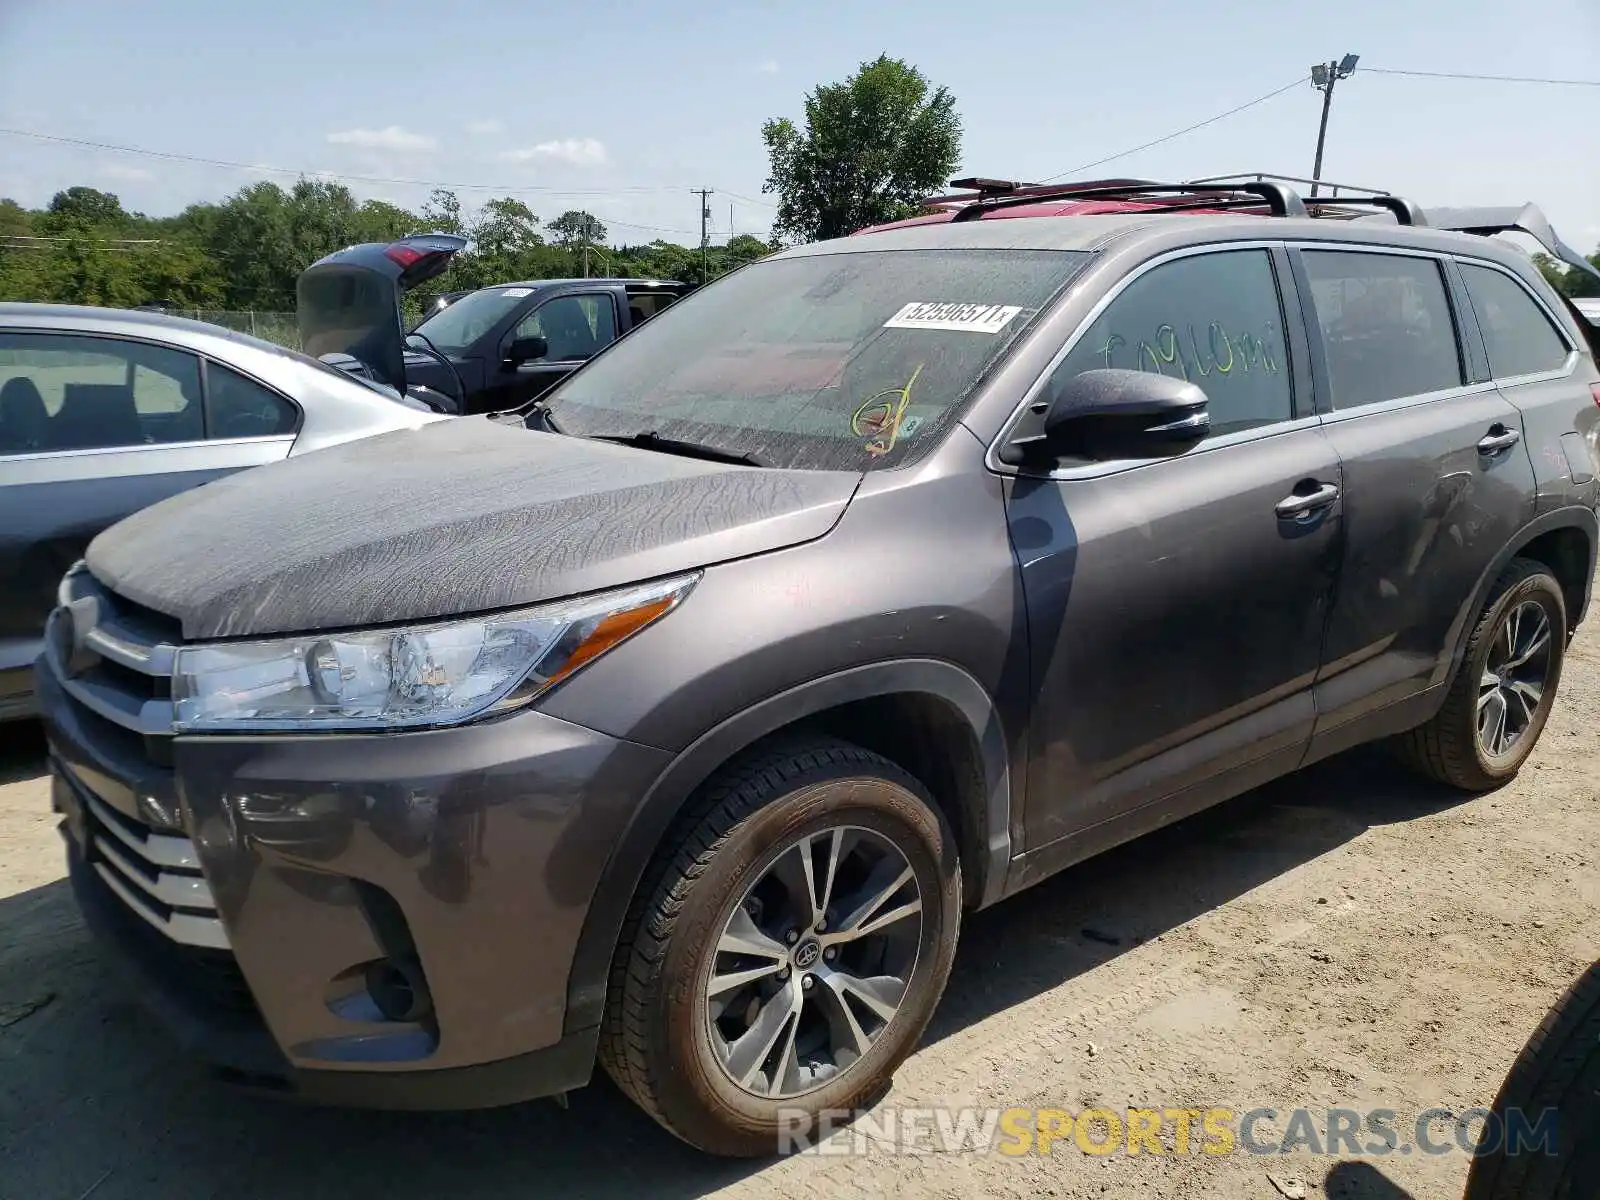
[767, 66]
[390, 137]
[126, 172]
[582, 152]
[484, 128]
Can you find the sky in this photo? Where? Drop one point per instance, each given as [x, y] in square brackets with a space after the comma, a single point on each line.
[621, 108]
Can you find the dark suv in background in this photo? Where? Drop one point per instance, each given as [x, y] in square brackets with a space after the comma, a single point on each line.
[677, 719]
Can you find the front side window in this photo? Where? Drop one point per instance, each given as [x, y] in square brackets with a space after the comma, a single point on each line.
[1386, 326]
[575, 327]
[65, 392]
[1519, 337]
[849, 361]
[1213, 319]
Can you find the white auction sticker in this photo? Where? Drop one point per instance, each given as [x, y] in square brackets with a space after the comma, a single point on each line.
[965, 318]
[516, 293]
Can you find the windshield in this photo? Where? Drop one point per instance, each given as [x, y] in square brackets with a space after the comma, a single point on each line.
[455, 329]
[832, 361]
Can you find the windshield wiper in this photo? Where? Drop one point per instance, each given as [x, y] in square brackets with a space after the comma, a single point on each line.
[649, 439]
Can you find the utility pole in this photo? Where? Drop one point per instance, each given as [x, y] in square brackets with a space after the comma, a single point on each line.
[1323, 77]
[586, 245]
[705, 245]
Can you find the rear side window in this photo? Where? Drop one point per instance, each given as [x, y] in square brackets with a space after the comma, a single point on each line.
[1518, 335]
[63, 392]
[1213, 319]
[1386, 326]
[241, 407]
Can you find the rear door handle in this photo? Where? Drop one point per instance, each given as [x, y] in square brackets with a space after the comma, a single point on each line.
[1300, 504]
[1493, 442]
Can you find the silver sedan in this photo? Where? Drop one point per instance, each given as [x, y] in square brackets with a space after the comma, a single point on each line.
[104, 411]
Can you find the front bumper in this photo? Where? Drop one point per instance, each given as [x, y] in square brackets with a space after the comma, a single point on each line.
[470, 855]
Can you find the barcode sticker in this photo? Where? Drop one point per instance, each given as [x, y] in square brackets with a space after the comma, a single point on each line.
[964, 318]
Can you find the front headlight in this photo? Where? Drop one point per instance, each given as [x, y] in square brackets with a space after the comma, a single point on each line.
[420, 675]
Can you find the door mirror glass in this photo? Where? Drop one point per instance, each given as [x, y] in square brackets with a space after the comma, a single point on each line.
[527, 349]
[1120, 414]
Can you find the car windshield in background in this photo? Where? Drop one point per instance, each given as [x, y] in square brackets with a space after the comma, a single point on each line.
[830, 361]
[455, 329]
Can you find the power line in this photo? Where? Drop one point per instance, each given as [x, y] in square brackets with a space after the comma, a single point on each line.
[508, 189]
[1099, 162]
[174, 156]
[1482, 78]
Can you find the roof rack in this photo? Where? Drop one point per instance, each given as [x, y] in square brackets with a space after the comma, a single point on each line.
[1405, 212]
[994, 194]
[1278, 194]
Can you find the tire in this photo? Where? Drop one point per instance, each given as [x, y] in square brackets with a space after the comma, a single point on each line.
[1559, 1069]
[675, 1051]
[1449, 747]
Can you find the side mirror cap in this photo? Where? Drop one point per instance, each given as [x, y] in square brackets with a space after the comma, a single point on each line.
[1112, 414]
[526, 349]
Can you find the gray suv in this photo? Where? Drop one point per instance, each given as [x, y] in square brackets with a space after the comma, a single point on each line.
[675, 721]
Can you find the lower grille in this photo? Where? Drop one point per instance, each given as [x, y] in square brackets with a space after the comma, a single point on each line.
[157, 875]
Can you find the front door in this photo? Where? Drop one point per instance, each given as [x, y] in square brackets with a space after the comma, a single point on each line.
[1176, 607]
[575, 327]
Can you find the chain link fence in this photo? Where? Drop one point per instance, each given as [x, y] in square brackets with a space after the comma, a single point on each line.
[269, 326]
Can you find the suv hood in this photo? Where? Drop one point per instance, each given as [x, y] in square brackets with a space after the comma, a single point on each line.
[457, 517]
[349, 302]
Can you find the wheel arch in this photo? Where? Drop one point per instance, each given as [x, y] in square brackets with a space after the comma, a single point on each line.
[896, 708]
[1565, 540]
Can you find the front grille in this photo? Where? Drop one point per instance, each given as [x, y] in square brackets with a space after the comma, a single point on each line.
[114, 660]
[157, 875]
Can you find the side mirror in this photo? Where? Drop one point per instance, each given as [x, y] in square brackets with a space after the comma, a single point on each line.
[526, 349]
[1112, 414]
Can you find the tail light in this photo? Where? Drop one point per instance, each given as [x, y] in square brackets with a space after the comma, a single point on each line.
[1594, 390]
[404, 255]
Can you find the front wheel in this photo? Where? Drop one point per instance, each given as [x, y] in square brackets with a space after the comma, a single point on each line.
[787, 949]
[1501, 697]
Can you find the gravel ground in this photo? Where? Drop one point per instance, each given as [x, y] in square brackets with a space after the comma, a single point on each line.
[1346, 937]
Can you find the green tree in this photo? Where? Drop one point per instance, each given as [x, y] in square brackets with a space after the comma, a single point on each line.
[871, 148]
[84, 208]
[441, 213]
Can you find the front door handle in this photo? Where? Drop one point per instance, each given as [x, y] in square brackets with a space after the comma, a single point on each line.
[1300, 504]
[1498, 438]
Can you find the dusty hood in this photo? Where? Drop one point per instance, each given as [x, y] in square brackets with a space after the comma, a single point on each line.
[457, 517]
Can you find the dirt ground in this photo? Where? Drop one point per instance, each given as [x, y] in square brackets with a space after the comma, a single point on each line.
[1346, 937]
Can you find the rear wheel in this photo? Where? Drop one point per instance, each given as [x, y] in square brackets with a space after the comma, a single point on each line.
[787, 949]
[1500, 698]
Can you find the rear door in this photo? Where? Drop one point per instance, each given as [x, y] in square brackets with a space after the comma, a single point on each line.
[95, 428]
[1538, 367]
[1437, 475]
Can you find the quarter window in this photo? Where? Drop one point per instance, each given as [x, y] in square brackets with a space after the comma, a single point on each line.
[574, 326]
[1386, 326]
[63, 392]
[1516, 332]
[241, 407]
[1212, 319]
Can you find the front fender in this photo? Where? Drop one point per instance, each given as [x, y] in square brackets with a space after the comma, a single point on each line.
[586, 985]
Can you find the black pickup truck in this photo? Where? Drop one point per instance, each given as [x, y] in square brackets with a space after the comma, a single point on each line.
[491, 349]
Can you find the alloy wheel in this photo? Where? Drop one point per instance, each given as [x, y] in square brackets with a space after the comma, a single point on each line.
[1515, 673]
[814, 961]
